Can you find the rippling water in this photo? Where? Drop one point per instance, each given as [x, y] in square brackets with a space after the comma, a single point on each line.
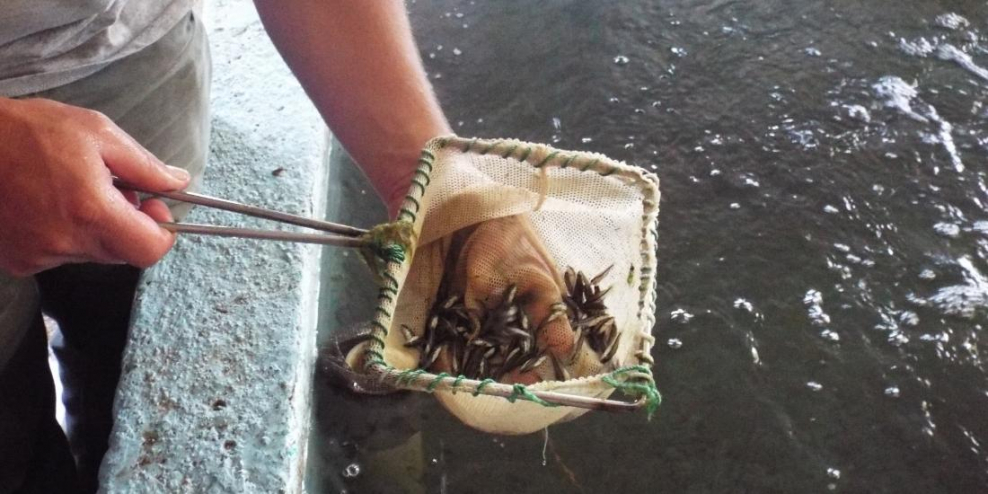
[823, 278]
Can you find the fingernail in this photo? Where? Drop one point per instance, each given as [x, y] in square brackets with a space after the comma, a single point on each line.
[178, 173]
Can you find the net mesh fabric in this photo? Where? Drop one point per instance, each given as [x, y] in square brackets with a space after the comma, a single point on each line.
[547, 210]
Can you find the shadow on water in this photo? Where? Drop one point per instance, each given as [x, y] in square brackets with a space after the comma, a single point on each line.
[823, 245]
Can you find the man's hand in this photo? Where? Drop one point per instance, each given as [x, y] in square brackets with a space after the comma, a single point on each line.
[58, 204]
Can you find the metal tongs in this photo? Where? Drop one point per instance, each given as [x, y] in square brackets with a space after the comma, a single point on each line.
[343, 235]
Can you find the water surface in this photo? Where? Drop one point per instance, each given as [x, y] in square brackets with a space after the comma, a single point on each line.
[822, 257]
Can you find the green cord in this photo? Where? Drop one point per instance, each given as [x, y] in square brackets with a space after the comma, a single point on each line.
[435, 382]
[483, 384]
[457, 382]
[652, 397]
[520, 391]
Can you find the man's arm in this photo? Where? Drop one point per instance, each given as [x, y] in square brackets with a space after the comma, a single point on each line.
[359, 65]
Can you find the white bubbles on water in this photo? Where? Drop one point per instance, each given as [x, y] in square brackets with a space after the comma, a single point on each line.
[829, 335]
[963, 300]
[351, 471]
[951, 20]
[813, 300]
[949, 230]
[675, 343]
[830, 209]
[681, 316]
[586, 140]
[678, 51]
[951, 53]
[833, 473]
[743, 304]
[735, 206]
[898, 94]
[858, 112]
[621, 60]
[814, 386]
[892, 392]
[919, 47]
[457, 51]
[927, 274]
[811, 51]
[909, 318]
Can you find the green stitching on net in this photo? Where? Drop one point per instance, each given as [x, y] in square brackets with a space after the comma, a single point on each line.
[509, 151]
[456, 382]
[609, 172]
[483, 384]
[418, 205]
[524, 156]
[378, 339]
[588, 165]
[382, 311]
[384, 295]
[568, 160]
[488, 148]
[546, 159]
[426, 162]
[470, 145]
[652, 397]
[435, 382]
[426, 152]
[379, 325]
[420, 184]
[406, 212]
[520, 391]
[424, 175]
[408, 376]
[392, 279]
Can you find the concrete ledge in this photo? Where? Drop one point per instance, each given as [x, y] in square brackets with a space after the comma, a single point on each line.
[215, 393]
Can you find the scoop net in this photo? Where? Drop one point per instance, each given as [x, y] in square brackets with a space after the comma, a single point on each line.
[530, 295]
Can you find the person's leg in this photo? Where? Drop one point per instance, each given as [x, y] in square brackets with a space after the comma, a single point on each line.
[34, 455]
[160, 97]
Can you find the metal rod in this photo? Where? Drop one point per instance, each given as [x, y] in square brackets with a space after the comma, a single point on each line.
[236, 207]
[569, 400]
[451, 384]
[226, 231]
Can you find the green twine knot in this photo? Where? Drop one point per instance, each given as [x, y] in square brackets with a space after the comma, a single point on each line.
[387, 243]
[520, 391]
[637, 387]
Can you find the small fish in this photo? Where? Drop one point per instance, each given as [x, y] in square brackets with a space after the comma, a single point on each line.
[517, 332]
[560, 370]
[533, 363]
[598, 294]
[450, 302]
[509, 295]
[411, 339]
[596, 279]
[481, 342]
[611, 349]
[570, 278]
[580, 336]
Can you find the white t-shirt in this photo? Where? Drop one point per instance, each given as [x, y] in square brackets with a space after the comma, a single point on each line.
[50, 43]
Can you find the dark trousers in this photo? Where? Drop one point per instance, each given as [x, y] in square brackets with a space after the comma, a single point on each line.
[92, 305]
